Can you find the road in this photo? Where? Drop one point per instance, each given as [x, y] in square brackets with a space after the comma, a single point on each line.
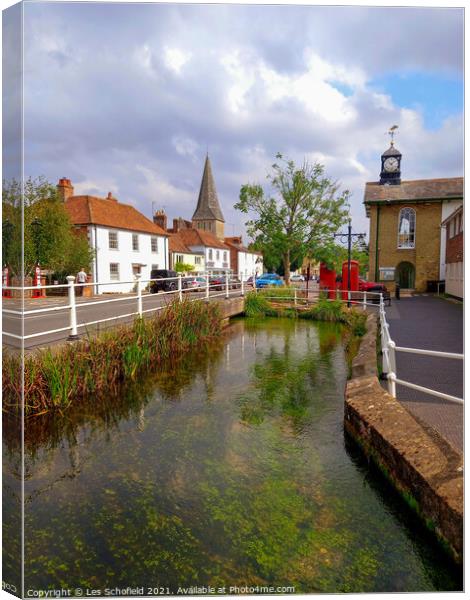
[88, 310]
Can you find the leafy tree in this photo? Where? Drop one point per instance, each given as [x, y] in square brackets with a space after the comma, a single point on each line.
[334, 256]
[307, 208]
[183, 267]
[48, 234]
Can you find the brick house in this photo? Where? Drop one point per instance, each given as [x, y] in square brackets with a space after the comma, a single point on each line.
[453, 226]
[244, 262]
[406, 241]
[124, 241]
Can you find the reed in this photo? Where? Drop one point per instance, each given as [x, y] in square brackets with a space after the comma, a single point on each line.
[54, 379]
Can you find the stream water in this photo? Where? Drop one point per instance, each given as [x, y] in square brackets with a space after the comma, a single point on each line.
[228, 469]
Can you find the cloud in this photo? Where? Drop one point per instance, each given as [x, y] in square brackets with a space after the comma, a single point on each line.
[132, 95]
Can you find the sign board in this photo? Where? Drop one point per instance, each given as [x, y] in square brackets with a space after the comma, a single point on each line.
[387, 273]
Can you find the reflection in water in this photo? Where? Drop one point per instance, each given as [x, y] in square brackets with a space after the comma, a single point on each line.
[227, 469]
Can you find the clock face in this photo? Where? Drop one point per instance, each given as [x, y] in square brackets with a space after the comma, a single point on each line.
[391, 164]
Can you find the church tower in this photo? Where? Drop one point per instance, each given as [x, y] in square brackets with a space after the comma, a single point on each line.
[208, 215]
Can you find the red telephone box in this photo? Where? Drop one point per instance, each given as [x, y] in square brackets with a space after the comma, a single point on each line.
[39, 291]
[328, 280]
[354, 278]
[6, 282]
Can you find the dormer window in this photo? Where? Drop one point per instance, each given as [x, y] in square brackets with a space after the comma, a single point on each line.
[406, 228]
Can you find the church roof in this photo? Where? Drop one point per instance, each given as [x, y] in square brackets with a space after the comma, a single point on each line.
[208, 203]
[92, 210]
[414, 190]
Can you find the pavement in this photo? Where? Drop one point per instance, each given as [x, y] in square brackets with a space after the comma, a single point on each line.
[430, 323]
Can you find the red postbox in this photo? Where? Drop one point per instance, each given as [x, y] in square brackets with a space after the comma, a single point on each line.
[39, 291]
[6, 282]
[354, 278]
[328, 280]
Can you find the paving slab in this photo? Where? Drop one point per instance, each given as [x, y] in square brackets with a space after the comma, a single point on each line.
[430, 323]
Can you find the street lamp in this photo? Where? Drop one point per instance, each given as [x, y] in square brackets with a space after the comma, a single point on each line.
[36, 225]
[349, 235]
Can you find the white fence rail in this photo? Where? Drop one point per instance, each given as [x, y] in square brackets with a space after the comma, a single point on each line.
[389, 366]
[179, 286]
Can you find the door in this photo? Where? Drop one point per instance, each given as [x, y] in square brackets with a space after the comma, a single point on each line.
[405, 275]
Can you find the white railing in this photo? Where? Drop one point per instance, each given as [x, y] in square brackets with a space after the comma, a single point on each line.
[168, 286]
[389, 366]
[352, 298]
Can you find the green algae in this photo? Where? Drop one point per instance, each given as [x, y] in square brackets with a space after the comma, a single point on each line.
[229, 468]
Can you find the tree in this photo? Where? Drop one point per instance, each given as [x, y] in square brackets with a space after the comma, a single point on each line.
[183, 267]
[334, 256]
[302, 217]
[48, 234]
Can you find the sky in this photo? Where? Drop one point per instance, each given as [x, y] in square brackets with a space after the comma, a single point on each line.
[128, 98]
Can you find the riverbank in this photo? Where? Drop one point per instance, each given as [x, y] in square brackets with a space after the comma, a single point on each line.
[421, 465]
[99, 365]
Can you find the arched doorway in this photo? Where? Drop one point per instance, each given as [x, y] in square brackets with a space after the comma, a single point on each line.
[405, 275]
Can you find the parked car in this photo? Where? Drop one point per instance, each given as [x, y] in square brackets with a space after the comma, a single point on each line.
[249, 281]
[195, 283]
[269, 279]
[166, 285]
[297, 278]
[217, 282]
[234, 283]
[372, 286]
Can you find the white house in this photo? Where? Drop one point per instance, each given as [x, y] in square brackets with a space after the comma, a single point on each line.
[124, 241]
[216, 253]
[244, 262]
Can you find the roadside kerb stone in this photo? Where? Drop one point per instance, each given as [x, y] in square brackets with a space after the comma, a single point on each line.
[423, 467]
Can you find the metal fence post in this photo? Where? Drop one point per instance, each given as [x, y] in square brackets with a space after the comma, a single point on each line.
[73, 309]
[139, 293]
[242, 286]
[349, 298]
[180, 288]
[295, 296]
[226, 285]
[364, 301]
[207, 286]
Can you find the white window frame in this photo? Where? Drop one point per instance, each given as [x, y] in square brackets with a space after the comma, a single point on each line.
[135, 242]
[407, 240]
[217, 255]
[197, 260]
[114, 276]
[154, 244]
[111, 241]
[210, 254]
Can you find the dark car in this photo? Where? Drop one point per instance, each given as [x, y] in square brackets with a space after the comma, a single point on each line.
[234, 283]
[166, 285]
[217, 282]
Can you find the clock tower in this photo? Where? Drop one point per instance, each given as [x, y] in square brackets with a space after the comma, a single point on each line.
[390, 173]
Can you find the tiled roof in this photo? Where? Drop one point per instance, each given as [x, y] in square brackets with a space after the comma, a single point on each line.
[196, 237]
[417, 189]
[208, 206]
[176, 244]
[91, 210]
[240, 247]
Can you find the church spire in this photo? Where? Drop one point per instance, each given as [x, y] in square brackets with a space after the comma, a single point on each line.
[208, 207]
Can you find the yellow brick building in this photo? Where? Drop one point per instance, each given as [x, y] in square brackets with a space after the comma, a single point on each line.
[406, 239]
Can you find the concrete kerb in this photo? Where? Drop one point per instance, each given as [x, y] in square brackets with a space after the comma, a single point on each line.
[420, 464]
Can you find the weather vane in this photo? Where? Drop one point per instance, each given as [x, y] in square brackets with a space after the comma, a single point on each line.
[391, 132]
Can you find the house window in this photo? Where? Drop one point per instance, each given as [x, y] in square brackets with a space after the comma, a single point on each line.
[217, 255]
[197, 260]
[135, 242]
[154, 244]
[406, 228]
[114, 271]
[179, 258]
[225, 256]
[113, 240]
[210, 253]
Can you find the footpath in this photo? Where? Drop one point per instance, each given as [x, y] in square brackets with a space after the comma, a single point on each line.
[430, 323]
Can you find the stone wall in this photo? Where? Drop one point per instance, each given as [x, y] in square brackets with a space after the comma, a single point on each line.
[419, 463]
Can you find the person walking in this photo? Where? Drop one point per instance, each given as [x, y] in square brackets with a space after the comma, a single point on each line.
[81, 278]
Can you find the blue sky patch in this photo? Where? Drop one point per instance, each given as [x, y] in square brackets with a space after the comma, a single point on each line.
[435, 96]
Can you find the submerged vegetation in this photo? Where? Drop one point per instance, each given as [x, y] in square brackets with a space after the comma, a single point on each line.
[53, 379]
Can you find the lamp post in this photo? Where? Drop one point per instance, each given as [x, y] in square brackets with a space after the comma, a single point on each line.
[349, 236]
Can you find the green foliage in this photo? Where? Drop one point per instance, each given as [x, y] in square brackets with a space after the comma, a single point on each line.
[183, 267]
[55, 242]
[99, 365]
[256, 305]
[334, 256]
[307, 208]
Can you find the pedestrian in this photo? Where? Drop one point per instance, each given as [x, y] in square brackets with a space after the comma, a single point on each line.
[81, 278]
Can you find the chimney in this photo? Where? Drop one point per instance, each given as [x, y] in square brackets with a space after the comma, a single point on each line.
[64, 189]
[176, 225]
[159, 218]
[111, 197]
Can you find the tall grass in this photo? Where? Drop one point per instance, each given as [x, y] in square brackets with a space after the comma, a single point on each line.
[99, 365]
